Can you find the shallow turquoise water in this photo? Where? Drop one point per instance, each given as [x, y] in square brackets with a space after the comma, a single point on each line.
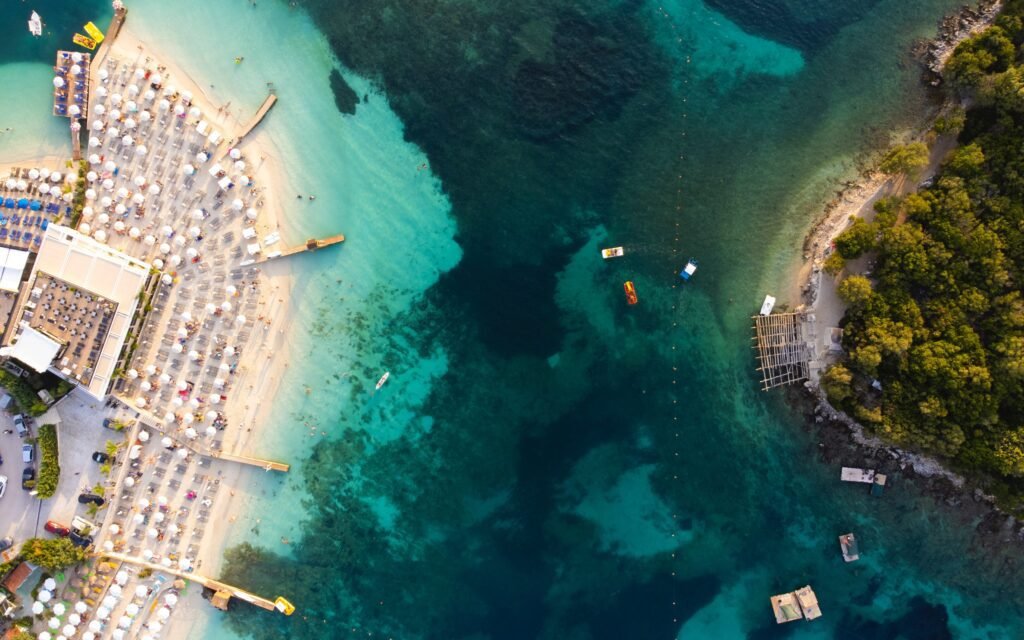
[545, 462]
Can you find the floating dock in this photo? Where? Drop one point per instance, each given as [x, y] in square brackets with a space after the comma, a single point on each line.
[801, 604]
[854, 474]
[848, 545]
[782, 353]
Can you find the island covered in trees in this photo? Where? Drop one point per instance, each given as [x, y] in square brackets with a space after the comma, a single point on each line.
[935, 333]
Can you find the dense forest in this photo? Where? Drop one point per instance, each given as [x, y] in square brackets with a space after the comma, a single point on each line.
[935, 334]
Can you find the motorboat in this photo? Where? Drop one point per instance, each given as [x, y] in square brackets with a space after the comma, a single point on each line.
[612, 252]
[383, 379]
[35, 25]
[689, 269]
[631, 298]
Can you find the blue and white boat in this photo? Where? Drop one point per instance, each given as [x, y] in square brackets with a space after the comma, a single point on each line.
[689, 269]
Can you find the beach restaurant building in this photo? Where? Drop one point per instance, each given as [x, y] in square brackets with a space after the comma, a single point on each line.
[75, 311]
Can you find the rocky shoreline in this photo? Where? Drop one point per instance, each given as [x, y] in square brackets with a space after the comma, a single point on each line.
[841, 440]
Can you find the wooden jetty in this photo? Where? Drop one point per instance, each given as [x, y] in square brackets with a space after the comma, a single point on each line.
[266, 465]
[108, 42]
[864, 476]
[782, 353]
[310, 245]
[223, 590]
[268, 104]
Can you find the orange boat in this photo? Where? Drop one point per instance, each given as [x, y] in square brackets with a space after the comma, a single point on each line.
[630, 292]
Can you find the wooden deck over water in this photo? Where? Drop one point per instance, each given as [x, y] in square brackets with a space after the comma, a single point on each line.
[210, 583]
[310, 245]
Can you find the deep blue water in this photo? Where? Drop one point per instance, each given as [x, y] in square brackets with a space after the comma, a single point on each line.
[586, 470]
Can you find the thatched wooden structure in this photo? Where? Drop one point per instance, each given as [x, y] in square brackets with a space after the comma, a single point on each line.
[782, 351]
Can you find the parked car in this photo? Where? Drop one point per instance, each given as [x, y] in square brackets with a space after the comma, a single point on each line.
[6, 544]
[28, 453]
[56, 528]
[99, 456]
[3, 485]
[28, 475]
[80, 540]
[19, 424]
[91, 498]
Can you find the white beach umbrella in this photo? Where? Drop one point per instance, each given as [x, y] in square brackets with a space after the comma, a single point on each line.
[94, 159]
[169, 417]
[54, 623]
[167, 231]
[211, 431]
[251, 213]
[146, 385]
[191, 253]
[188, 418]
[145, 116]
[175, 260]
[240, 319]
[154, 189]
[97, 125]
[167, 563]
[127, 140]
[103, 613]
[156, 78]
[85, 228]
[225, 306]
[44, 596]
[164, 105]
[131, 106]
[159, 516]
[100, 236]
[110, 165]
[141, 150]
[115, 99]
[237, 204]
[129, 481]
[114, 530]
[75, 619]
[164, 378]
[67, 197]
[193, 355]
[166, 442]
[229, 350]
[103, 218]
[44, 635]
[141, 591]
[195, 232]
[108, 184]
[165, 248]
[92, 176]
[33, 174]
[218, 382]
[117, 634]
[68, 630]
[235, 153]
[114, 132]
[76, 69]
[139, 73]
[179, 109]
[45, 188]
[177, 348]
[37, 608]
[179, 241]
[231, 290]
[74, 110]
[134, 233]
[211, 308]
[124, 622]
[108, 546]
[133, 609]
[119, 225]
[137, 198]
[182, 385]
[105, 202]
[22, 185]
[197, 214]
[215, 399]
[147, 554]
[186, 95]
[81, 607]
[187, 317]
[149, 240]
[90, 194]
[50, 584]
[182, 332]
[122, 193]
[132, 90]
[202, 156]
[194, 112]
[170, 599]
[132, 373]
[95, 626]
[189, 169]
[122, 576]
[58, 82]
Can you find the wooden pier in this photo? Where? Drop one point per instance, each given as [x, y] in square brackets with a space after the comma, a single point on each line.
[222, 588]
[782, 351]
[310, 245]
[268, 104]
[266, 465]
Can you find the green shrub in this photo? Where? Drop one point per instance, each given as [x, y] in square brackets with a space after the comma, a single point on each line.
[49, 466]
[23, 393]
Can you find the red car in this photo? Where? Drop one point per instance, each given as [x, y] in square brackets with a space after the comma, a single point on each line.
[57, 528]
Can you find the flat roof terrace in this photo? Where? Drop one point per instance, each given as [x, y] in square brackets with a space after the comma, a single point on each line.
[72, 316]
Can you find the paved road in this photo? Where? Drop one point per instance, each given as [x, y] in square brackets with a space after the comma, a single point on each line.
[19, 511]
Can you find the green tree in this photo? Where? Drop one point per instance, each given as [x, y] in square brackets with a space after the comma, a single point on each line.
[837, 382]
[1009, 453]
[855, 291]
[856, 239]
[834, 264]
[951, 123]
[905, 159]
[52, 554]
[967, 161]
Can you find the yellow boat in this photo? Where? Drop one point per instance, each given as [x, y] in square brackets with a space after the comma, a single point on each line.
[93, 32]
[284, 606]
[84, 41]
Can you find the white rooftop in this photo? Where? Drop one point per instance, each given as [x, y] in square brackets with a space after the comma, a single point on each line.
[34, 349]
[12, 264]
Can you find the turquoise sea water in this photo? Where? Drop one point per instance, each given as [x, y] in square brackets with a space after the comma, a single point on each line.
[545, 462]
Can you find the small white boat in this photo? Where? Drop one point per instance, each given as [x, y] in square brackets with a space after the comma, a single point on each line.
[613, 252]
[689, 269]
[35, 25]
[767, 305]
[383, 379]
